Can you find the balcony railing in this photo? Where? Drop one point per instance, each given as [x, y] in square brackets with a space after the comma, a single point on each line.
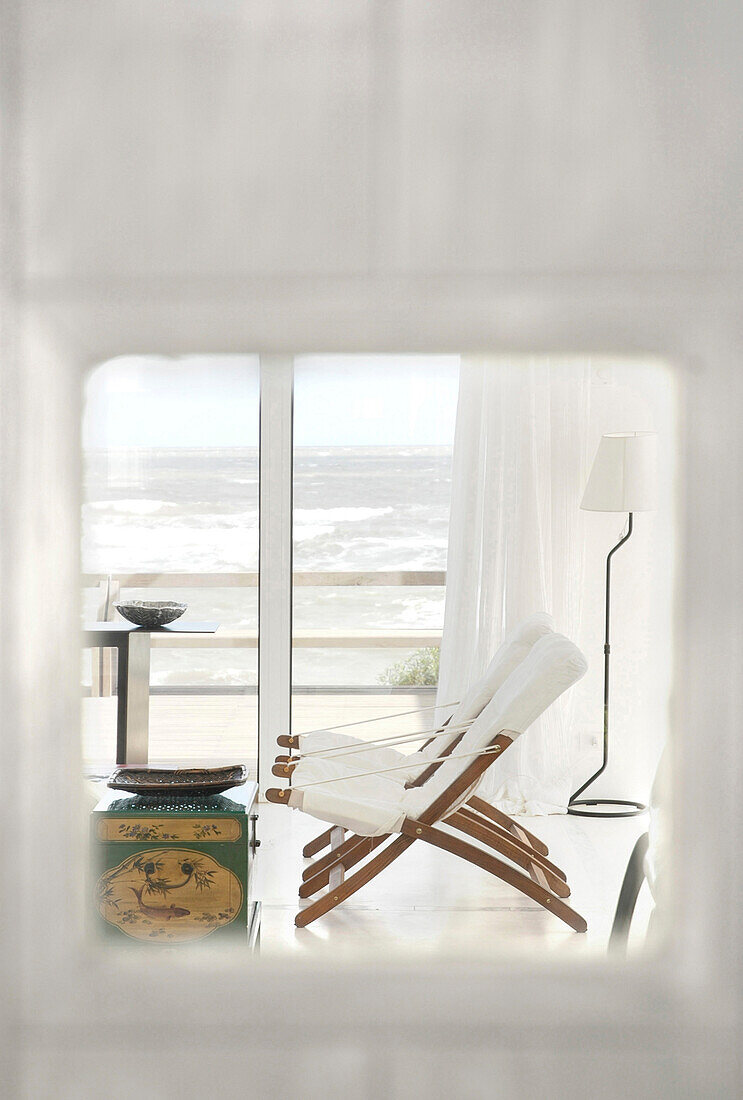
[388, 579]
[109, 588]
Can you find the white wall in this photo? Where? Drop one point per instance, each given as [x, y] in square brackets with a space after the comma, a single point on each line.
[228, 175]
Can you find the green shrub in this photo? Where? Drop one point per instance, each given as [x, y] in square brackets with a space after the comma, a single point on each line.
[420, 669]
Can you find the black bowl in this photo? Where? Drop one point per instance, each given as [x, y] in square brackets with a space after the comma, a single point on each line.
[183, 781]
[151, 613]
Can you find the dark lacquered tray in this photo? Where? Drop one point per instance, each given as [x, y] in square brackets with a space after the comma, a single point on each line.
[184, 781]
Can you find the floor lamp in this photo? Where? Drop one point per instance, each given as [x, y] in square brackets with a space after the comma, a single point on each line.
[622, 479]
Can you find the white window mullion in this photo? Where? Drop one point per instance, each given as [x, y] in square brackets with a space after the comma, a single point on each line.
[275, 600]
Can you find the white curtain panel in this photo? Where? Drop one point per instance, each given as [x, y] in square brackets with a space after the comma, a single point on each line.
[526, 434]
[517, 545]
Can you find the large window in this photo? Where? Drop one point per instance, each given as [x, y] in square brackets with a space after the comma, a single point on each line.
[171, 471]
[171, 512]
[373, 439]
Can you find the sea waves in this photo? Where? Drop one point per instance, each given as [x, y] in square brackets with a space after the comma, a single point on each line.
[190, 511]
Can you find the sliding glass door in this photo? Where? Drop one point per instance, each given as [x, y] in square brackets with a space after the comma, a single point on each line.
[373, 439]
[170, 512]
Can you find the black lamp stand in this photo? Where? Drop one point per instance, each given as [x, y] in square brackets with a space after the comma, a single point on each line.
[631, 809]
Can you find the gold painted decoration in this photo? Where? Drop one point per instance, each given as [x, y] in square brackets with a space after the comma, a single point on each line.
[169, 895]
[167, 829]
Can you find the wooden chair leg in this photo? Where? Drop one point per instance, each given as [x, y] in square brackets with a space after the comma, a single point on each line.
[355, 882]
[507, 822]
[416, 830]
[512, 836]
[314, 846]
[536, 870]
[335, 856]
[513, 839]
[364, 846]
[337, 872]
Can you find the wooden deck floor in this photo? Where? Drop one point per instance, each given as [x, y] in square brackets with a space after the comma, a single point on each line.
[190, 729]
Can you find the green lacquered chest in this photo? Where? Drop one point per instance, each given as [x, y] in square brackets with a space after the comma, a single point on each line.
[174, 869]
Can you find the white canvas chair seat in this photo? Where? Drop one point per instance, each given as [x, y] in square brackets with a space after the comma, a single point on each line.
[376, 804]
[375, 758]
[368, 805]
[365, 806]
[408, 767]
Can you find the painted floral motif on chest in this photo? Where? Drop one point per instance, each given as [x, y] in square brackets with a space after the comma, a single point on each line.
[111, 828]
[169, 895]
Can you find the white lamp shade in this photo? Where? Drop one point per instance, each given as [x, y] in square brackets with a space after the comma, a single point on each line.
[623, 477]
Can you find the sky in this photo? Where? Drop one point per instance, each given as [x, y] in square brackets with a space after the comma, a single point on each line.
[212, 401]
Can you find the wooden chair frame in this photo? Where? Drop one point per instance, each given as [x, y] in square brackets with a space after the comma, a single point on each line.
[541, 887]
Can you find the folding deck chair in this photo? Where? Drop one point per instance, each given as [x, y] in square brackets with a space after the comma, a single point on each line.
[376, 808]
[329, 752]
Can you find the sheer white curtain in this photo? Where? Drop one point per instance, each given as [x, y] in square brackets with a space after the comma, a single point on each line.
[522, 452]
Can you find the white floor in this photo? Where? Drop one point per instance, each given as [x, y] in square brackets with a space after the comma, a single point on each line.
[430, 903]
[427, 903]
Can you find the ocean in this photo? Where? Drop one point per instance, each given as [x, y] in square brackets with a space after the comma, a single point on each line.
[195, 510]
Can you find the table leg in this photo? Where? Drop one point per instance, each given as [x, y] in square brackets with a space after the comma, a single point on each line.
[133, 711]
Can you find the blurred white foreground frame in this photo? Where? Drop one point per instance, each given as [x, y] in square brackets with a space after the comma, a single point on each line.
[675, 1008]
[514, 249]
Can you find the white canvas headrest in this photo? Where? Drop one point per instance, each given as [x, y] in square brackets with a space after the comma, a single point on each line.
[512, 652]
[553, 665]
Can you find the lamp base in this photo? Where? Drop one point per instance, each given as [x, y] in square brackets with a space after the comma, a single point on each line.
[636, 808]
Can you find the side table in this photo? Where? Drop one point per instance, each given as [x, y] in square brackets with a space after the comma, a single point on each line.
[174, 869]
[132, 644]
